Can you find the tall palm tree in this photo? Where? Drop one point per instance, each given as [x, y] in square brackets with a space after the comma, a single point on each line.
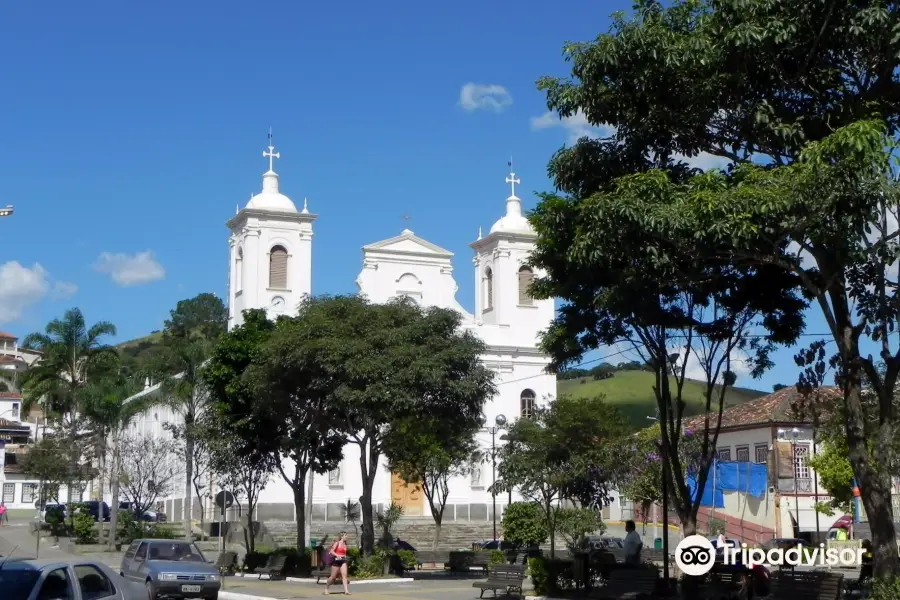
[110, 413]
[72, 355]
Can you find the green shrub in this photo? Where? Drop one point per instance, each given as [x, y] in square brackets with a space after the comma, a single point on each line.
[83, 528]
[538, 572]
[885, 589]
[524, 524]
[407, 558]
[498, 557]
[716, 527]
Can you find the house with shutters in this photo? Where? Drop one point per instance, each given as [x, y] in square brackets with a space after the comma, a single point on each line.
[770, 430]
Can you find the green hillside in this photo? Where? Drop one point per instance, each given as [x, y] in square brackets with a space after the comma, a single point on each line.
[632, 392]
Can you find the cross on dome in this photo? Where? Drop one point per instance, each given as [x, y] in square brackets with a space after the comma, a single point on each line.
[512, 180]
[271, 154]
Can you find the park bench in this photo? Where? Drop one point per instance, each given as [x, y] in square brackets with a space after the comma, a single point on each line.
[723, 584]
[629, 582]
[507, 578]
[225, 563]
[274, 567]
[436, 557]
[806, 585]
[482, 559]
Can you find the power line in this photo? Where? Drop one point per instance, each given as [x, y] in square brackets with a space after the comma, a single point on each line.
[614, 354]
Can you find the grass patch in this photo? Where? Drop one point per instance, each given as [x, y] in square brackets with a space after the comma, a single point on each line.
[632, 393]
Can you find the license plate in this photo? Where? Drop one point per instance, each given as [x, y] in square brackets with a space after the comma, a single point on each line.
[191, 588]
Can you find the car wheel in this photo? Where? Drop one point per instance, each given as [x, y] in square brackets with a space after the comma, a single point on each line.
[151, 593]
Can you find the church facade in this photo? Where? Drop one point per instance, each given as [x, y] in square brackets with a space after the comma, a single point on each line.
[270, 267]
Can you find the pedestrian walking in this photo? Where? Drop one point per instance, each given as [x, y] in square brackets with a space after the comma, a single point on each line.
[4, 518]
[339, 566]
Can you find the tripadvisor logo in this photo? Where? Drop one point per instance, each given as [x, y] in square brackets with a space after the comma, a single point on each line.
[695, 556]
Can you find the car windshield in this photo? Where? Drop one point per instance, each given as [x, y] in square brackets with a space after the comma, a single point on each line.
[17, 583]
[180, 551]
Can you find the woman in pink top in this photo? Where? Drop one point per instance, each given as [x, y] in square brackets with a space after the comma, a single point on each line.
[339, 551]
[3, 516]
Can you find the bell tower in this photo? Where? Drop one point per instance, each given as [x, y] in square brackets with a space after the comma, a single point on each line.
[270, 251]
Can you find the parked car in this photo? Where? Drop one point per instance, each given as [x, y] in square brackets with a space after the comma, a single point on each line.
[56, 510]
[94, 508]
[53, 578]
[496, 545]
[148, 515]
[170, 569]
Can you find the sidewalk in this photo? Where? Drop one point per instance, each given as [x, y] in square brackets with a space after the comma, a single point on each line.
[16, 540]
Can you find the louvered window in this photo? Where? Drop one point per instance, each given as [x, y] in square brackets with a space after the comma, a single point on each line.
[278, 260]
[526, 276]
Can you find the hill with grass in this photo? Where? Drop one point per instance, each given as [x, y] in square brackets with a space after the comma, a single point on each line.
[632, 392]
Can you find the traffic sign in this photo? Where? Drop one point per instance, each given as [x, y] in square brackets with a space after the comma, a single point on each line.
[224, 499]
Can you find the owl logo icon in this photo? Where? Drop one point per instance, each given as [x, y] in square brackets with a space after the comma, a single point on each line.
[695, 555]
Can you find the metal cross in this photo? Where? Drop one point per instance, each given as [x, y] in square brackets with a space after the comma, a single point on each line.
[271, 154]
[512, 180]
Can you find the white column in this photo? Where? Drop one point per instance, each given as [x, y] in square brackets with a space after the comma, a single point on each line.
[252, 263]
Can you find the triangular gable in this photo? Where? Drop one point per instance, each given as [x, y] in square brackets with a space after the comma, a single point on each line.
[407, 243]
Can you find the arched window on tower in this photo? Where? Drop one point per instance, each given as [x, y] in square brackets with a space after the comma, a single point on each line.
[278, 260]
[526, 277]
[239, 271]
[488, 289]
[526, 403]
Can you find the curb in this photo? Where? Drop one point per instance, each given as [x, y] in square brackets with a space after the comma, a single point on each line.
[226, 595]
[352, 582]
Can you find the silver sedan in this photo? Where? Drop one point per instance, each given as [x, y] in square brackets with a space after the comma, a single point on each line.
[76, 579]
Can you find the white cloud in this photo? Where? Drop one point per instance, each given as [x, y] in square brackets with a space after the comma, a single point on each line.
[740, 363]
[475, 96]
[577, 126]
[130, 270]
[23, 287]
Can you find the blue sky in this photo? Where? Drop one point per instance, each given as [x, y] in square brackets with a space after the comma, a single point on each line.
[131, 131]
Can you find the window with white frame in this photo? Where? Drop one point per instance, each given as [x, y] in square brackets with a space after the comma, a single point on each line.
[801, 464]
[762, 453]
[29, 493]
[742, 453]
[526, 403]
[724, 454]
[9, 493]
[334, 476]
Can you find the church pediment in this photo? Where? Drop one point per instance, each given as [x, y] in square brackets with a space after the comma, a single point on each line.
[408, 243]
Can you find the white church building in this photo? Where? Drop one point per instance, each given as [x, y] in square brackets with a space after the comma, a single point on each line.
[270, 253]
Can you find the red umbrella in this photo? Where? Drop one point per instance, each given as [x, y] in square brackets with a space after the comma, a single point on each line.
[843, 523]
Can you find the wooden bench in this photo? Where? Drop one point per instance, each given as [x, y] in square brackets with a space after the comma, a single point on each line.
[723, 584]
[629, 582]
[436, 557]
[322, 571]
[482, 559]
[507, 578]
[807, 585]
[273, 567]
[226, 562]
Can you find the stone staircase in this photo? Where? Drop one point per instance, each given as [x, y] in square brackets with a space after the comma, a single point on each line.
[418, 531]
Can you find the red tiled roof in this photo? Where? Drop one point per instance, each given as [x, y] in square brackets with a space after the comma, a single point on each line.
[7, 336]
[10, 396]
[784, 406]
[10, 358]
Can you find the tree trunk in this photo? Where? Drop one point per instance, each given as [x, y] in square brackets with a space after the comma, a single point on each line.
[437, 533]
[300, 505]
[114, 500]
[874, 483]
[188, 481]
[368, 463]
[550, 528]
[202, 511]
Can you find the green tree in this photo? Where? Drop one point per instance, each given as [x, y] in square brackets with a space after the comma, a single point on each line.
[428, 453]
[72, 355]
[110, 410]
[396, 361]
[189, 336]
[742, 81]
[575, 523]
[49, 461]
[836, 474]
[524, 524]
[566, 451]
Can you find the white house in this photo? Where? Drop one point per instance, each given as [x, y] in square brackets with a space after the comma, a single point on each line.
[270, 250]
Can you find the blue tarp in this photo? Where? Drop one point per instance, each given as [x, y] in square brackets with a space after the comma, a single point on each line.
[746, 477]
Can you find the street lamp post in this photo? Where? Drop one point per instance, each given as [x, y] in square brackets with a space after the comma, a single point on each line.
[499, 423]
[795, 433]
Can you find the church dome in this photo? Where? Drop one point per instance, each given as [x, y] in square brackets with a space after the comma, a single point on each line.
[513, 221]
[270, 198]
